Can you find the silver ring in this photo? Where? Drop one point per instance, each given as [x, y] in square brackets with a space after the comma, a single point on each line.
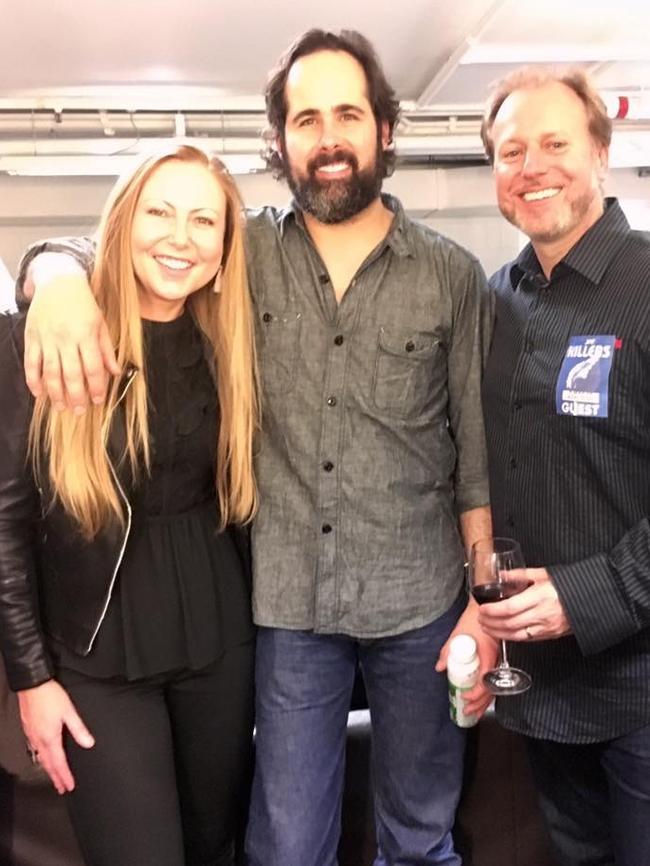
[33, 753]
[529, 636]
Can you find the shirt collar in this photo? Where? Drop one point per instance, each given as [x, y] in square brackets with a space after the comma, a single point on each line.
[399, 237]
[590, 256]
[289, 214]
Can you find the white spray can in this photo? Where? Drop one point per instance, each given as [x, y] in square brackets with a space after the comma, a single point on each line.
[462, 673]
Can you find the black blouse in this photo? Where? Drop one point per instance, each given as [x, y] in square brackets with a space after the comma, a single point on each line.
[182, 594]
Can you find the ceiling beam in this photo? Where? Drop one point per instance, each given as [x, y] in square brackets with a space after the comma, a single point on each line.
[449, 67]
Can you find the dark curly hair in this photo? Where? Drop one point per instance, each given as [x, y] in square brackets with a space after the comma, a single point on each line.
[382, 97]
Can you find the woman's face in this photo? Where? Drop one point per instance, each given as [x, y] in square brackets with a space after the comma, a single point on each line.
[176, 236]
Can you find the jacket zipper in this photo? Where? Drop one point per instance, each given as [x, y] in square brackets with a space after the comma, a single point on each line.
[130, 377]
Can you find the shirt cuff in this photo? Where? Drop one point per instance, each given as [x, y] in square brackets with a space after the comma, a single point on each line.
[81, 249]
[28, 676]
[593, 602]
[466, 499]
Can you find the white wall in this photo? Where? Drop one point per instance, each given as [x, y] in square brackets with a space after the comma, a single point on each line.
[489, 237]
[32, 208]
[6, 288]
[457, 202]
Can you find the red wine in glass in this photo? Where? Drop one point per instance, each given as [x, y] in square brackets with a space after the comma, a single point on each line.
[491, 579]
[500, 589]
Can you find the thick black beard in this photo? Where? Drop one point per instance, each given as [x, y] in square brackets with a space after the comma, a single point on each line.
[336, 201]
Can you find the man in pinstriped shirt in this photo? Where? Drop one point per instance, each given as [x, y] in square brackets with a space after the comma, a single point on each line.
[567, 401]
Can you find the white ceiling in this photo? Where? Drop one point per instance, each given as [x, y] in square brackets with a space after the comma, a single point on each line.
[212, 56]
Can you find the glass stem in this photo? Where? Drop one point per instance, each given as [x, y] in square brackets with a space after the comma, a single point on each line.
[504, 663]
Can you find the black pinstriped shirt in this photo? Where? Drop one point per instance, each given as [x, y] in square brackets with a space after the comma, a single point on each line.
[567, 401]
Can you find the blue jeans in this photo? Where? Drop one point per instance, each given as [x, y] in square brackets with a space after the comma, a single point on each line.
[596, 799]
[304, 682]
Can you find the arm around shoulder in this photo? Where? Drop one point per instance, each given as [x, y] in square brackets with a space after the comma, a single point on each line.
[68, 352]
[51, 258]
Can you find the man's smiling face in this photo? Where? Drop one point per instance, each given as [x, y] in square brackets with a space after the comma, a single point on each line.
[331, 144]
[548, 168]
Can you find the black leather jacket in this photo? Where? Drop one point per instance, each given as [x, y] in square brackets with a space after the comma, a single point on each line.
[52, 580]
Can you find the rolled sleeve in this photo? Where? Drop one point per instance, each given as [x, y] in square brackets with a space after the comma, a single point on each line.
[467, 353]
[82, 249]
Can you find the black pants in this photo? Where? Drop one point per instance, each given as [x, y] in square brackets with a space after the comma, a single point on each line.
[6, 816]
[596, 799]
[166, 783]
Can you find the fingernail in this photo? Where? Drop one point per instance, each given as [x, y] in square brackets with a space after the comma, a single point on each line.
[79, 410]
[59, 406]
[98, 400]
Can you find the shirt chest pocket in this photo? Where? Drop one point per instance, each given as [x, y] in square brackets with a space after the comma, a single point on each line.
[403, 371]
[279, 346]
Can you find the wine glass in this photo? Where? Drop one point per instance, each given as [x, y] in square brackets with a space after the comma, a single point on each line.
[490, 565]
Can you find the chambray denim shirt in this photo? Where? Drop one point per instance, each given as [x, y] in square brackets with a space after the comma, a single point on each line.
[373, 439]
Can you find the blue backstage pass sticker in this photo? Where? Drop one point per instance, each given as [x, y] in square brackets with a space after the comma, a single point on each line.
[583, 384]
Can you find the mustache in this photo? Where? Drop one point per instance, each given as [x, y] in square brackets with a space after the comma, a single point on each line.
[330, 157]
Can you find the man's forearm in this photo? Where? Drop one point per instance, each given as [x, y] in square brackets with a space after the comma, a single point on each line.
[475, 524]
[68, 350]
[49, 259]
[46, 267]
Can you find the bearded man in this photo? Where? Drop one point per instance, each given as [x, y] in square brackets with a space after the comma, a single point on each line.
[371, 467]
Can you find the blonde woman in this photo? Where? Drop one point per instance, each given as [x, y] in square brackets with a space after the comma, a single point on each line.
[125, 617]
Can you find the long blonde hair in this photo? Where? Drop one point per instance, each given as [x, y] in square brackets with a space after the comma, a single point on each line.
[74, 448]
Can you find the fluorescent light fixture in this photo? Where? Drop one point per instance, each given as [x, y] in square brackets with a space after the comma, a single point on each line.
[131, 97]
[65, 166]
[104, 166]
[553, 52]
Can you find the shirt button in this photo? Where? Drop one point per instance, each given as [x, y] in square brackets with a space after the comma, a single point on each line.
[516, 405]
[323, 279]
[338, 340]
[326, 528]
[410, 346]
[510, 521]
[267, 317]
[513, 463]
[328, 466]
[331, 401]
